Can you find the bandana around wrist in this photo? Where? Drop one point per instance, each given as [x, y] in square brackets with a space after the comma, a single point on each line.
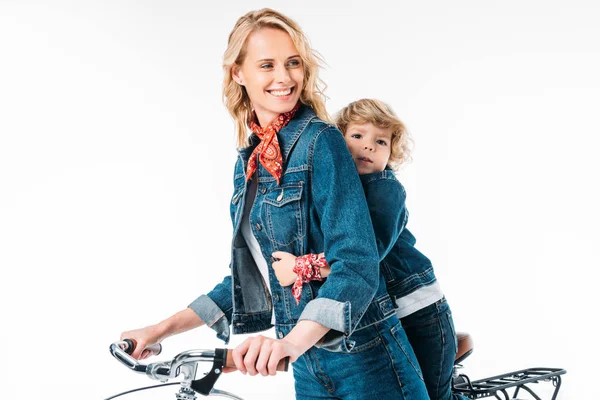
[307, 268]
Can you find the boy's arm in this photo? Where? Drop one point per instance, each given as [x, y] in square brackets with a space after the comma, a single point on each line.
[386, 199]
[284, 267]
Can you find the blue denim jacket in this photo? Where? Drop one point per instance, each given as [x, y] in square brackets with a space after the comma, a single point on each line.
[404, 267]
[318, 206]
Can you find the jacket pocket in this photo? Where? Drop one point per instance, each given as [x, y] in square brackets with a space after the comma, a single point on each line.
[283, 209]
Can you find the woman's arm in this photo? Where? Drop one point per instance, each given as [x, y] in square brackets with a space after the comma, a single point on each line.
[178, 323]
[349, 241]
[262, 354]
[213, 309]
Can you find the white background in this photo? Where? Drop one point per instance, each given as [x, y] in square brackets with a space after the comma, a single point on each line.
[116, 156]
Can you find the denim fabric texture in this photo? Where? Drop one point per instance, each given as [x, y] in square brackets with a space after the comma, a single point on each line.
[432, 336]
[319, 206]
[381, 366]
[404, 267]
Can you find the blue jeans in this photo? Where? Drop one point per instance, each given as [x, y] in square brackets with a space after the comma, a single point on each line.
[431, 334]
[381, 366]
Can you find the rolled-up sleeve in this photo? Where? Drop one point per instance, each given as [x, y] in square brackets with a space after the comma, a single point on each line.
[215, 308]
[349, 241]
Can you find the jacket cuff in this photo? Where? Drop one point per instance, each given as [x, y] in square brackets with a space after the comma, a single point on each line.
[210, 313]
[333, 314]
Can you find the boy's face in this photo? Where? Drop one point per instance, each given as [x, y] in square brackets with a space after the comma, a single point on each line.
[370, 146]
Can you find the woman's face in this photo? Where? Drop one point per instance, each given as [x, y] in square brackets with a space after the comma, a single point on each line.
[272, 73]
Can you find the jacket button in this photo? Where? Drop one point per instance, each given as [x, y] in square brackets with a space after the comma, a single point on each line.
[264, 190]
[280, 335]
[258, 226]
[276, 297]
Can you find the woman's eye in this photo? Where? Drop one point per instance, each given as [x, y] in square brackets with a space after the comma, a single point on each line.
[294, 63]
[266, 66]
[382, 142]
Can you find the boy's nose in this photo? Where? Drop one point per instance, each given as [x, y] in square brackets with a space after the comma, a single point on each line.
[370, 148]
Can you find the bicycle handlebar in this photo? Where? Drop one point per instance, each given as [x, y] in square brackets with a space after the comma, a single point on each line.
[185, 364]
[182, 363]
[155, 349]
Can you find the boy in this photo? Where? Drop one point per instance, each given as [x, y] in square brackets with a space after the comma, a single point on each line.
[378, 142]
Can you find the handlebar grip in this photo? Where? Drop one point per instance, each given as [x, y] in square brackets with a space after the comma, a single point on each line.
[282, 366]
[156, 349]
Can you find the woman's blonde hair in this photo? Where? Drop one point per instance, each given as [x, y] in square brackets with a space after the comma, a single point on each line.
[381, 115]
[235, 97]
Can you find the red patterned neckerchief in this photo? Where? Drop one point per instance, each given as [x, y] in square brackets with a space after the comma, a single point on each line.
[270, 153]
[307, 268]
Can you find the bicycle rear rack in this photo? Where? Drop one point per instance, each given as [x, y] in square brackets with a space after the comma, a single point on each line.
[499, 385]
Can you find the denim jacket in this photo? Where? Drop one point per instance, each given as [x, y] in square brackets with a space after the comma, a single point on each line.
[318, 206]
[406, 269]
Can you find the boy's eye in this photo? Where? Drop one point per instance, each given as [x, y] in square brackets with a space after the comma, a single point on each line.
[356, 136]
[382, 142]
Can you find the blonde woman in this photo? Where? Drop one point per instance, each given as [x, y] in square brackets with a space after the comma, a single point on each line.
[296, 190]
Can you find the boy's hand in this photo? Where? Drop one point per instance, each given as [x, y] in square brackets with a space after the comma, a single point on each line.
[325, 272]
[284, 268]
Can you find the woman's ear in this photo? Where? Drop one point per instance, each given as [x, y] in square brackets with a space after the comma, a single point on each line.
[237, 75]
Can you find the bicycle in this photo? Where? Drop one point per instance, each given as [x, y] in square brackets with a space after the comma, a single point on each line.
[186, 363]
[500, 384]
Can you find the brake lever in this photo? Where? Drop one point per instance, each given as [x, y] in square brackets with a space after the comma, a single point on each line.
[222, 393]
[206, 384]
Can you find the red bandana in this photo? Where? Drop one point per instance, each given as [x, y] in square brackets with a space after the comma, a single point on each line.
[270, 153]
[307, 268]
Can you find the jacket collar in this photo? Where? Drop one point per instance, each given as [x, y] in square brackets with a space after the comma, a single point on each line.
[288, 135]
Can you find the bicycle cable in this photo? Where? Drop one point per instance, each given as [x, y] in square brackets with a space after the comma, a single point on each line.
[143, 388]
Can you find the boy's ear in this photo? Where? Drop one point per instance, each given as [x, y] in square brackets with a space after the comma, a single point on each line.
[237, 75]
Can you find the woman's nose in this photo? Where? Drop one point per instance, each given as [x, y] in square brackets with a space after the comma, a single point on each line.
[282, 75]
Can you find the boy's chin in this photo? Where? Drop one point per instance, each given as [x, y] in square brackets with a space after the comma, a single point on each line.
[364, 171]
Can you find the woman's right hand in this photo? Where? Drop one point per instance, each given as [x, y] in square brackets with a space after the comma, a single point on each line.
[144, 337]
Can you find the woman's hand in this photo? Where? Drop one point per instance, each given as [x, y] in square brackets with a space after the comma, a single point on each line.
[260, 355]
[284, 268]
[180, 322]
[144, 337]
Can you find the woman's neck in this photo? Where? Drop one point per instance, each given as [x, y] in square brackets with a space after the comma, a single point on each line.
[264, 118]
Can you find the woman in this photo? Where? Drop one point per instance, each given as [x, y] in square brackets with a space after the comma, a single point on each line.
[293, 193]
